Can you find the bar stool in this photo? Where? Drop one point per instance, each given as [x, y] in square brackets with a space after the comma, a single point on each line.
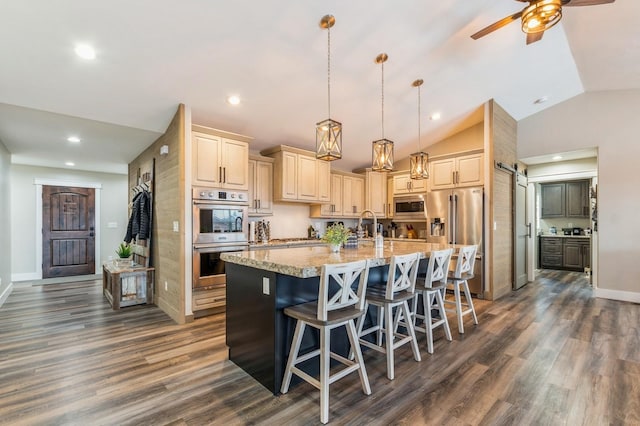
[400, 287]
[430, 287]
[458, 278]
[337, 305]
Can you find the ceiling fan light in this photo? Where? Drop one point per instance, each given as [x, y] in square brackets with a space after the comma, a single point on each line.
[541, 16]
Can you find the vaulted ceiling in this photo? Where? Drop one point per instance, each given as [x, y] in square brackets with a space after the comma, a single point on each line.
[153, 55]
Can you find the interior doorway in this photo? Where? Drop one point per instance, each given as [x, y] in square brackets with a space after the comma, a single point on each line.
[68, 231]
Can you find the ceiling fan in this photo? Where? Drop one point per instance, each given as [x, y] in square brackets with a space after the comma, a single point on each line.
[538, 16]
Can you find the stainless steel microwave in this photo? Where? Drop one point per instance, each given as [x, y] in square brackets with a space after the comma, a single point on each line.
[409, 207]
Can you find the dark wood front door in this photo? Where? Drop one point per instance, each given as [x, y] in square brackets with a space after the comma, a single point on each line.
[68, 231]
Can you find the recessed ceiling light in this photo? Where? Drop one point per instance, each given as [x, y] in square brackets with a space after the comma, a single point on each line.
[234, 100]
[73, 139]
[70, 163]
[557, 157]
[541, 100]
[85, 51]
[435, 116]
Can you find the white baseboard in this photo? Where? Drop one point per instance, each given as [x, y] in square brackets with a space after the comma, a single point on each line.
[5, 294]
[625, 296]
[28, 276]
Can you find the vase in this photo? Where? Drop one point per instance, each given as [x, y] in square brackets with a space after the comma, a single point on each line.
[123, 262]
[335, 248]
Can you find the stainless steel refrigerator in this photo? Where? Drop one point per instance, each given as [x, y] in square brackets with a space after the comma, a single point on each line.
[456, 216]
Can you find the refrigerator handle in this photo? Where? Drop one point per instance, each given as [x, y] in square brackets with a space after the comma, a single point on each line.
[450, 226]
[454, 221]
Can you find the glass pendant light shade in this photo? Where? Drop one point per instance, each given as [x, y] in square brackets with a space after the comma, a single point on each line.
[328, 132]
[382, 155]
[329, 140]
[419, 161]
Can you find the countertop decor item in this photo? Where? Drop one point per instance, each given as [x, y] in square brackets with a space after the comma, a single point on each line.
[328, 132]
[382, 148]
[419, 168]
[336, 235]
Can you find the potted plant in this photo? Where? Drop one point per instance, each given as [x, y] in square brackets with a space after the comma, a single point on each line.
[124, 252]
[336, 235]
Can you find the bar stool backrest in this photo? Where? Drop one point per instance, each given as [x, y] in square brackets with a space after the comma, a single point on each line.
[336, 287]
[403, 270]
[466, 260]
[438, 267]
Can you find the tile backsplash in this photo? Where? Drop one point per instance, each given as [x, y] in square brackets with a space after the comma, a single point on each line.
[563, 222]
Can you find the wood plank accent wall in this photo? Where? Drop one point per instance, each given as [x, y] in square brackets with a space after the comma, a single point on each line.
[503, 143]
[168, 206]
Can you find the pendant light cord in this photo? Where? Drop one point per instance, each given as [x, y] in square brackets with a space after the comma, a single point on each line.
[382, 99]
[419, 150]
[329, 69]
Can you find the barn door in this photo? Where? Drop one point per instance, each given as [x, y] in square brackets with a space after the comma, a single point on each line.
[68, 231]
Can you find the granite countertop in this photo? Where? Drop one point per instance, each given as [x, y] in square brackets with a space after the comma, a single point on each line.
[564, 236]
[286, 242]
[306, 262]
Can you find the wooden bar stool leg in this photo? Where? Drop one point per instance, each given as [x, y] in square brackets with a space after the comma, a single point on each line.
[357, 353]
[389, 339]
[293, 355]
[380, 322]
[428, 326]
[458, 301]
[324, 373]
[443, 314]
[404, 308]
[467, 294]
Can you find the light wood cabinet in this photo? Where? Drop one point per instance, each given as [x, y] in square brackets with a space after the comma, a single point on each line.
[219, 161]
[456, 172]
[403, 184]
[260, 186]
[347, 197]
[376, 192]
[298, 176]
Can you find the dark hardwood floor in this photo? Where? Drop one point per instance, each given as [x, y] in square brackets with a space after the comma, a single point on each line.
[549, 353]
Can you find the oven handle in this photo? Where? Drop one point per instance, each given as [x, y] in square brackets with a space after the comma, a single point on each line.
[220, 203]
[208, 248]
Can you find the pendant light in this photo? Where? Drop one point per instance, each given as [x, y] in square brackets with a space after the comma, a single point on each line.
[419, 168]
[328, 132]
[383, 148]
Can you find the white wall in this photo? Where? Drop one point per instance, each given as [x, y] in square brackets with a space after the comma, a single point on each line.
[609, 121]
[5, 223]
[113, 208]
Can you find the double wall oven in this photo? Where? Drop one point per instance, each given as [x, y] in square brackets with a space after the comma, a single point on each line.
[219, 225]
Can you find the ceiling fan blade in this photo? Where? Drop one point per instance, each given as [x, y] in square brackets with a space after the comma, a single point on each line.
[587, 2]
[496, 25]
[533, 37]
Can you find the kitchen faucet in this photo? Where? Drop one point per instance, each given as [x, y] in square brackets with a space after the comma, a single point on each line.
[377, 239]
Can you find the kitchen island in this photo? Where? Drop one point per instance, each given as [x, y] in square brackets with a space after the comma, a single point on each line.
[261, 283]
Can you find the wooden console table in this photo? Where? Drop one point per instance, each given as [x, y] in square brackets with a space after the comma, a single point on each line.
[127, 286]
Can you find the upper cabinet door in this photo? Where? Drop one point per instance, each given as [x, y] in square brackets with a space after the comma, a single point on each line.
[442, 174]
[578, 199]
[552, 198]
[307, 178]
[376, 192]
[206, 160]
[324, 181]
[469, 170]
[235, 158]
